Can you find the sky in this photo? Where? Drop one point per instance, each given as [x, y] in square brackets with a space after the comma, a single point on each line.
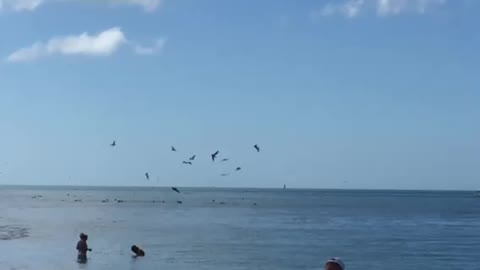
[367, 94]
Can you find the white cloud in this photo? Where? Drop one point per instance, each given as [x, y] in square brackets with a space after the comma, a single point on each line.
[395, 7]
[30, 5]
[20, 5]
[102, 44]
[352, 8]
[156, 48]
[349, 9]
[148, 5]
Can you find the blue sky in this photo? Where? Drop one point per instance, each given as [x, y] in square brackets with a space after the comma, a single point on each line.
[339, 94]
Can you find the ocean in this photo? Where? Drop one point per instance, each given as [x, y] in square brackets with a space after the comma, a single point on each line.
[238, 228]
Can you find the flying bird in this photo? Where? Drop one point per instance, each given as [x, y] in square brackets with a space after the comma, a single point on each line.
[173, 149]
[257, 147]
[147, 176]
[225, 159]
[214, 155]
[175, 189]
[192, 158]
[238, 168]
[113, 144]
[187, 162]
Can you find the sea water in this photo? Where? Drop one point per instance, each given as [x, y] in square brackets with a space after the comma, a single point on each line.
[238, 228]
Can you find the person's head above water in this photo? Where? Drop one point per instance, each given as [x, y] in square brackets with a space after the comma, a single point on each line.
[83, 237]
[138, 251]
[334, 264]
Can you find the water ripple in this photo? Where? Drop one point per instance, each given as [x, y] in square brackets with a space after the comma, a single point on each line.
[10, 232]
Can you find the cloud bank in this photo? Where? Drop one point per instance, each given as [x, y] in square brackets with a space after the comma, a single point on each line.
[382, 8]
[20, 5]
[30, 5]
[103, 44]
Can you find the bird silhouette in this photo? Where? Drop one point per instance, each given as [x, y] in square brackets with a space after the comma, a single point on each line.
[173, 149]
[187, 162]
[257, 147]
[238, 168]
[113, 144]
[192, 158]
[225, 159]
[175, 189]
[147, 176]
[214, 155]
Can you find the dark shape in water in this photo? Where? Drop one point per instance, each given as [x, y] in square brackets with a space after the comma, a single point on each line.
[187, 162]
[179, 202]
[147, 176]
[138, 251]
[257, 147]
[113, 144]
[173, 149]
[175, 189]
[120, 201]
[238, 168]
[192, 158]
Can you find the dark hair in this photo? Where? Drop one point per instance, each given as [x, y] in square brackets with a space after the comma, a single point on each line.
[83, 236]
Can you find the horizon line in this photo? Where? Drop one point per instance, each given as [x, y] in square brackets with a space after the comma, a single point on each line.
[239, 187]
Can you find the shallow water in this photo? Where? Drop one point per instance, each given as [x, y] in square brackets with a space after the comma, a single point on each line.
[286, 229]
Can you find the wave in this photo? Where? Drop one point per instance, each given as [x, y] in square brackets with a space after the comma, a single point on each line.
[10, 232]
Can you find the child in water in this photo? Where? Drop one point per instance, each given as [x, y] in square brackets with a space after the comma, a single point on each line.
[138, 251]
[82, 248]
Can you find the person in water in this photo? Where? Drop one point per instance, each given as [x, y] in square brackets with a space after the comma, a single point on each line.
[82, 248]
[334, 264]
[138, 251]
